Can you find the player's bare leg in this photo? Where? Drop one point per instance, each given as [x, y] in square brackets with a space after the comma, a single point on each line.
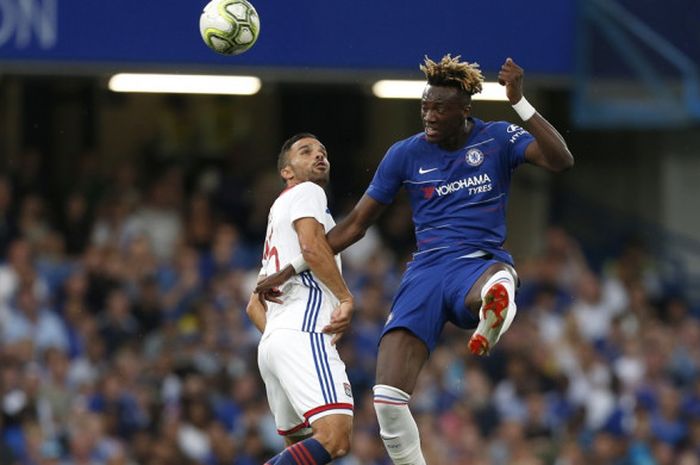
[330, 440]
[400, 359]
[334, 432]
[492, 299]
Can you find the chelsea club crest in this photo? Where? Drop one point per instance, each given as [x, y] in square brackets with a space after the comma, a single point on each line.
[474, 157]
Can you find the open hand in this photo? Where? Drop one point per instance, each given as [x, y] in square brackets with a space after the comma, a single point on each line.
[271, 295]
[340, 320]
[268, 287]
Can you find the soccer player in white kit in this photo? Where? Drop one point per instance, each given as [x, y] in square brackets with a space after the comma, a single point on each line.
[307, 387]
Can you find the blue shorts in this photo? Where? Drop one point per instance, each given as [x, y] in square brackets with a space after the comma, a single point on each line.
[431, 295]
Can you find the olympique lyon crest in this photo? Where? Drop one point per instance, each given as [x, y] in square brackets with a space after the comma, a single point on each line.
[474, 157]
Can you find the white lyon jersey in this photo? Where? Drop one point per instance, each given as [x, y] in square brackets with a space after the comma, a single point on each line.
[308, 303]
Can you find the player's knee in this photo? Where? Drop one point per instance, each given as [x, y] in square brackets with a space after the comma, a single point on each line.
[334, 433]
[336, 442]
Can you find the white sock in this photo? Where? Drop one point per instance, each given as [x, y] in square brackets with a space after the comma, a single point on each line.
[506, 279]
[397, 427]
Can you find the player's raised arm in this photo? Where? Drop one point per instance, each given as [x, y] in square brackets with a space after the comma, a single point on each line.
[549, 149]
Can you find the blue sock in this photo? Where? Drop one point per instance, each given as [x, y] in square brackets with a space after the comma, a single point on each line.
[306, 452]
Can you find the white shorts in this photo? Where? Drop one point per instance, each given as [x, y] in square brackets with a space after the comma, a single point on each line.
[305, 379]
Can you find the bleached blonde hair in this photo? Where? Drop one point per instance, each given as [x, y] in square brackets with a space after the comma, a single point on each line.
[451, 72]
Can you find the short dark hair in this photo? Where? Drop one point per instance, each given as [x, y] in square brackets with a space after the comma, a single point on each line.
[283, 158]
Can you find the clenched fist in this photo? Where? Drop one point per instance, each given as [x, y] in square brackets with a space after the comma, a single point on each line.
[511, 76]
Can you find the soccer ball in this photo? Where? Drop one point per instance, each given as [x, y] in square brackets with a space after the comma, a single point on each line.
[229, 27]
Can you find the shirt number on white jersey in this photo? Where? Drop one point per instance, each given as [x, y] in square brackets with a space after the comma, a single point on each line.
[271, 251]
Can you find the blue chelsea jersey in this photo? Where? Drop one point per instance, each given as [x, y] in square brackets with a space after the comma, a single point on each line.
[458, 197]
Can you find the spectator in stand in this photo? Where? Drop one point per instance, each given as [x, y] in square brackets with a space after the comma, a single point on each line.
[33, 322]
[158, 218]
[8, 220]
[75, 223]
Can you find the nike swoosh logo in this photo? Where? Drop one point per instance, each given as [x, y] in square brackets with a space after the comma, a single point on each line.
[422, 171]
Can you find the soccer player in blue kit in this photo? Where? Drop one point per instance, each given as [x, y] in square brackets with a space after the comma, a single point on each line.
[457, 174]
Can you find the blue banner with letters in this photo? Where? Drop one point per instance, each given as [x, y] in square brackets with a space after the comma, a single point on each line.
[382, 36]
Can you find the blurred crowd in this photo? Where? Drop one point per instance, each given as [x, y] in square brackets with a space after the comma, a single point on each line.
[124, 340]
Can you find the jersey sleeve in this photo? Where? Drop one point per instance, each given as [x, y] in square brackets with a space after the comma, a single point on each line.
[516, 140]
[388, 177]
[309, 201]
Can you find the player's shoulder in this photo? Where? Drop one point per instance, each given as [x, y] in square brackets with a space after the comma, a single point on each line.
[501, 130]
[307, 189]
[408, 145]
[413, 142]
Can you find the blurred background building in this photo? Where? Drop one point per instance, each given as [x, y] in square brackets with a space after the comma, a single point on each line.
[131, 227]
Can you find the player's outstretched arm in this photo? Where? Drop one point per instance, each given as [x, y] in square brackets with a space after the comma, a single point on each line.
[549, 149]
[353, 227]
